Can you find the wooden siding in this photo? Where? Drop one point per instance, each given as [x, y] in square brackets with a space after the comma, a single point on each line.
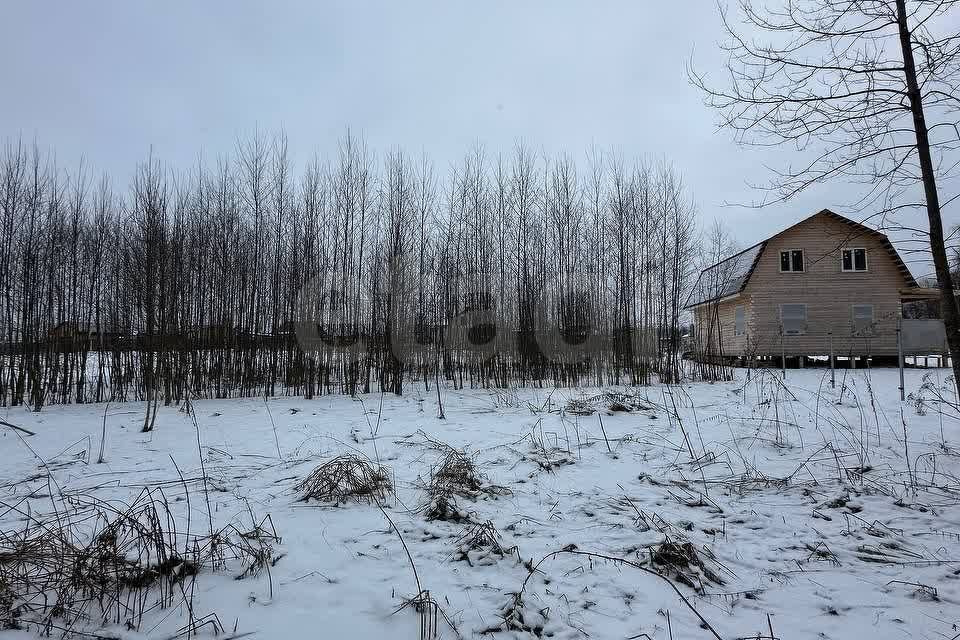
[827, 290]
[723, 338]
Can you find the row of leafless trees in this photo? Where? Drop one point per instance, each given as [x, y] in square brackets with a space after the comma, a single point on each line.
[351, 273]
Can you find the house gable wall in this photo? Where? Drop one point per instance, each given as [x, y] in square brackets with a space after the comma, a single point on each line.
[828, 292]
[719, 321]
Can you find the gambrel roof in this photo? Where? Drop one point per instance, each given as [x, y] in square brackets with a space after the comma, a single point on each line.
[730, 276]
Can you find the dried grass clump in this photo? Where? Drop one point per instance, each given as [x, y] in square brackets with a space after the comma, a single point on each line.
[481, 543]
[617, 406]
[579, 407]
[546, 451]
[611, 402]
[9, 615]
[445, 508]
[681, 561]
[456, 474]
[110, 563]
[517, 617]
[256, 546]
[347, 478]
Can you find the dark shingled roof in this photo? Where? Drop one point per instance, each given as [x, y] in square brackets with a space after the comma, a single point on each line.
[726, 278]
[731, 275]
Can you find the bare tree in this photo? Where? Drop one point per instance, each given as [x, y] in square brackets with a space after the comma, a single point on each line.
[189, 283]
[866, 88]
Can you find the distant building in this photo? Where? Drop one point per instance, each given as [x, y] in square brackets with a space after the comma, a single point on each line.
[826, 279]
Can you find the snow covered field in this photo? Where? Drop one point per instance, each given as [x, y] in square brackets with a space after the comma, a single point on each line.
[793, 510]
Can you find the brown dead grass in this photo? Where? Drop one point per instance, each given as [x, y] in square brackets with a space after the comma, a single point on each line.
[347, 478]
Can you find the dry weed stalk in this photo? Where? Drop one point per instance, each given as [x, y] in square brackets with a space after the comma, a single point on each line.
[430, 613]
[517, 617]
[110, 563]
[428, 609]
[546, 450]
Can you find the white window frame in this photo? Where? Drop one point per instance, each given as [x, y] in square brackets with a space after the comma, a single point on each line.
[802, 331]
[803, 259]
[853, 260]
[743, 329]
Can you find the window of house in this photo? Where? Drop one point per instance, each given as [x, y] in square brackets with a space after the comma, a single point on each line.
[793, 319]
[854, 260]
[862, 319]
[740, 320]
[791, 260]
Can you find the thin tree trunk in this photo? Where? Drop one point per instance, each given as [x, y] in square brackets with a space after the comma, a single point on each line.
[948, 302]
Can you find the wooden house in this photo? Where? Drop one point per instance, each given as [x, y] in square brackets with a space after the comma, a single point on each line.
[825, 285]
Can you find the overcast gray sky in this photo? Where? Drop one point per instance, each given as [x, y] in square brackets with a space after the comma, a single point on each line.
[107, 80]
